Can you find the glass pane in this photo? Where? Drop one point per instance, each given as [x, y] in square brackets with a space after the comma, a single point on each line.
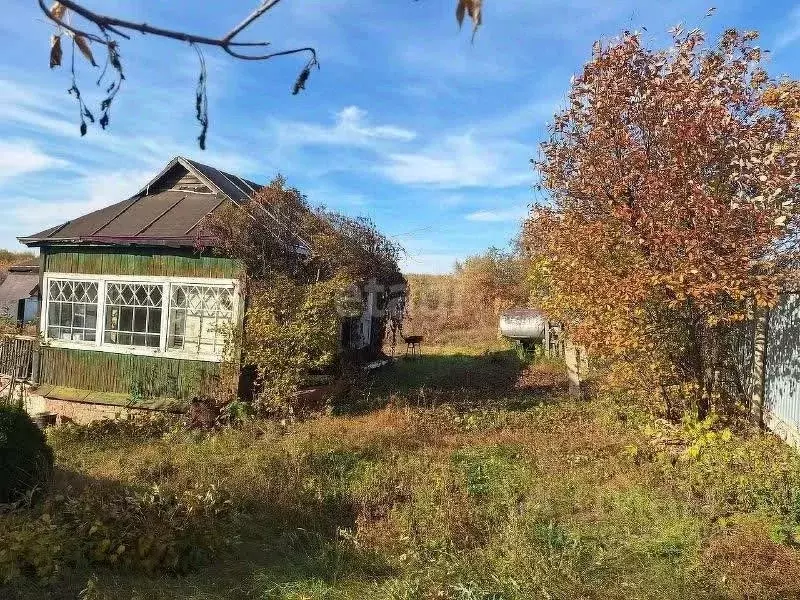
[65, 319]
[90, 334]
[52, 313]
[91, 316]
[139, 319]
[125, 319]
[79, 315]
[52, 333]
[154, 323]
[112, 317]
[112, 294]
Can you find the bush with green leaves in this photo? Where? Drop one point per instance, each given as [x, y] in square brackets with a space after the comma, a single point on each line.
[291, 329]
[26, 461]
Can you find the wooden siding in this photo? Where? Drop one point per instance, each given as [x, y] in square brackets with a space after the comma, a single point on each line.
[124, 261]
[137, 376]
[179, 178]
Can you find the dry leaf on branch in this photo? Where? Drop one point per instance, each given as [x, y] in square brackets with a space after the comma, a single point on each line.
[55, 51]
[471, 8]
[58, 10]
[83, 46]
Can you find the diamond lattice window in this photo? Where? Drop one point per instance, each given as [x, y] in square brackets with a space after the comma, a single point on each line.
[199, 316]
[72, 310]
[133, 314]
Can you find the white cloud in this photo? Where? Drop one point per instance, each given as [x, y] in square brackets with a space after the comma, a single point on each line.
[350, 128]
[89, 193]
[791, 32]
[18, 157]
[497, 216]
[33, 109]
[458, 161]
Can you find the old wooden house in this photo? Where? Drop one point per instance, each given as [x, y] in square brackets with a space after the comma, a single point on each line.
[133, 314]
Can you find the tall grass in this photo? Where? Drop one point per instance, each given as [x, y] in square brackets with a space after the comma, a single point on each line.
[527, 495]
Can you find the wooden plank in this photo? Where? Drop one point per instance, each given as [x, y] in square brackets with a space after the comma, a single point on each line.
[117, 261]
[120, 373]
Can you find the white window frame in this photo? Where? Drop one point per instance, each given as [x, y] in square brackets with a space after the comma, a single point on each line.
[166, 283]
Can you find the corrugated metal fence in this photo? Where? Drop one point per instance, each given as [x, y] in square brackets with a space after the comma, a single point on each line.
[782, 368]
[17, 356]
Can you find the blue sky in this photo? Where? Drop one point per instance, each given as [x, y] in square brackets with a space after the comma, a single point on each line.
[406, 121]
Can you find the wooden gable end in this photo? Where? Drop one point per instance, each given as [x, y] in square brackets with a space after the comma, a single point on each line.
[179, 179]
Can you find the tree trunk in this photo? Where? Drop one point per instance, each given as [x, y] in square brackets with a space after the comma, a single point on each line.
[760, 319]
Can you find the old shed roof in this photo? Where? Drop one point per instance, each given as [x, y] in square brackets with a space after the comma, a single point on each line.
[166, 212]
[21, 282]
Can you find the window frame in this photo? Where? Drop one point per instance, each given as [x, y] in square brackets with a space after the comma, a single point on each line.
[72, 303]
[166, 283]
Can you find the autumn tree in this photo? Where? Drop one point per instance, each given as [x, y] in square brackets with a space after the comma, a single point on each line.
[672, 190]
[490, 282]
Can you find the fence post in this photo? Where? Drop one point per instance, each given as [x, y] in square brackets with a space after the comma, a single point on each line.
[36, 355]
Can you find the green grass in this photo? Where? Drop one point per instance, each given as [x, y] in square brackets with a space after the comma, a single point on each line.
[462, 475]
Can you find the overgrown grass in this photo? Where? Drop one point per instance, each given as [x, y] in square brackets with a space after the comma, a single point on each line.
[500, 489]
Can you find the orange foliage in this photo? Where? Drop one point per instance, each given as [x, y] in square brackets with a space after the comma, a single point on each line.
[672, 190]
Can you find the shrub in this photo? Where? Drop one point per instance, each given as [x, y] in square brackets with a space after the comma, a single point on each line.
[26, 460]
[134, 428]
[31, 547]
[291, 329]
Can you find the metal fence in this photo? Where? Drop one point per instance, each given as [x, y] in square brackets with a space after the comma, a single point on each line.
[17, 356]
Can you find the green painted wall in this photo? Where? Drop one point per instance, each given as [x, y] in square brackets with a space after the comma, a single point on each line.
[143, 376]
[124, 373]
[166, 262]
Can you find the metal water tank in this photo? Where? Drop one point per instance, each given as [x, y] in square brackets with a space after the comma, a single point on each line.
[522, 324]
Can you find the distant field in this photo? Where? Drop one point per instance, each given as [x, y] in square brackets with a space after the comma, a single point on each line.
[463, 474]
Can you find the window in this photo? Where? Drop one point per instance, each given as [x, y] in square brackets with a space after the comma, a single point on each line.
[133, 314]
[198, 315]
[72, 310]
[174, 315]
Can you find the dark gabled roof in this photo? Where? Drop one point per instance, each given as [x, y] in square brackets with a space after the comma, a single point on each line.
[21, 282]
[166, 212]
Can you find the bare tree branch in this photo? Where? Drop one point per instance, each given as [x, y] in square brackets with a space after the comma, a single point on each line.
[264, 7]
[113, 24]
[110, 27]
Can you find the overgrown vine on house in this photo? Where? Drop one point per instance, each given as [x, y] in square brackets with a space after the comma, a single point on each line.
[297, 262]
